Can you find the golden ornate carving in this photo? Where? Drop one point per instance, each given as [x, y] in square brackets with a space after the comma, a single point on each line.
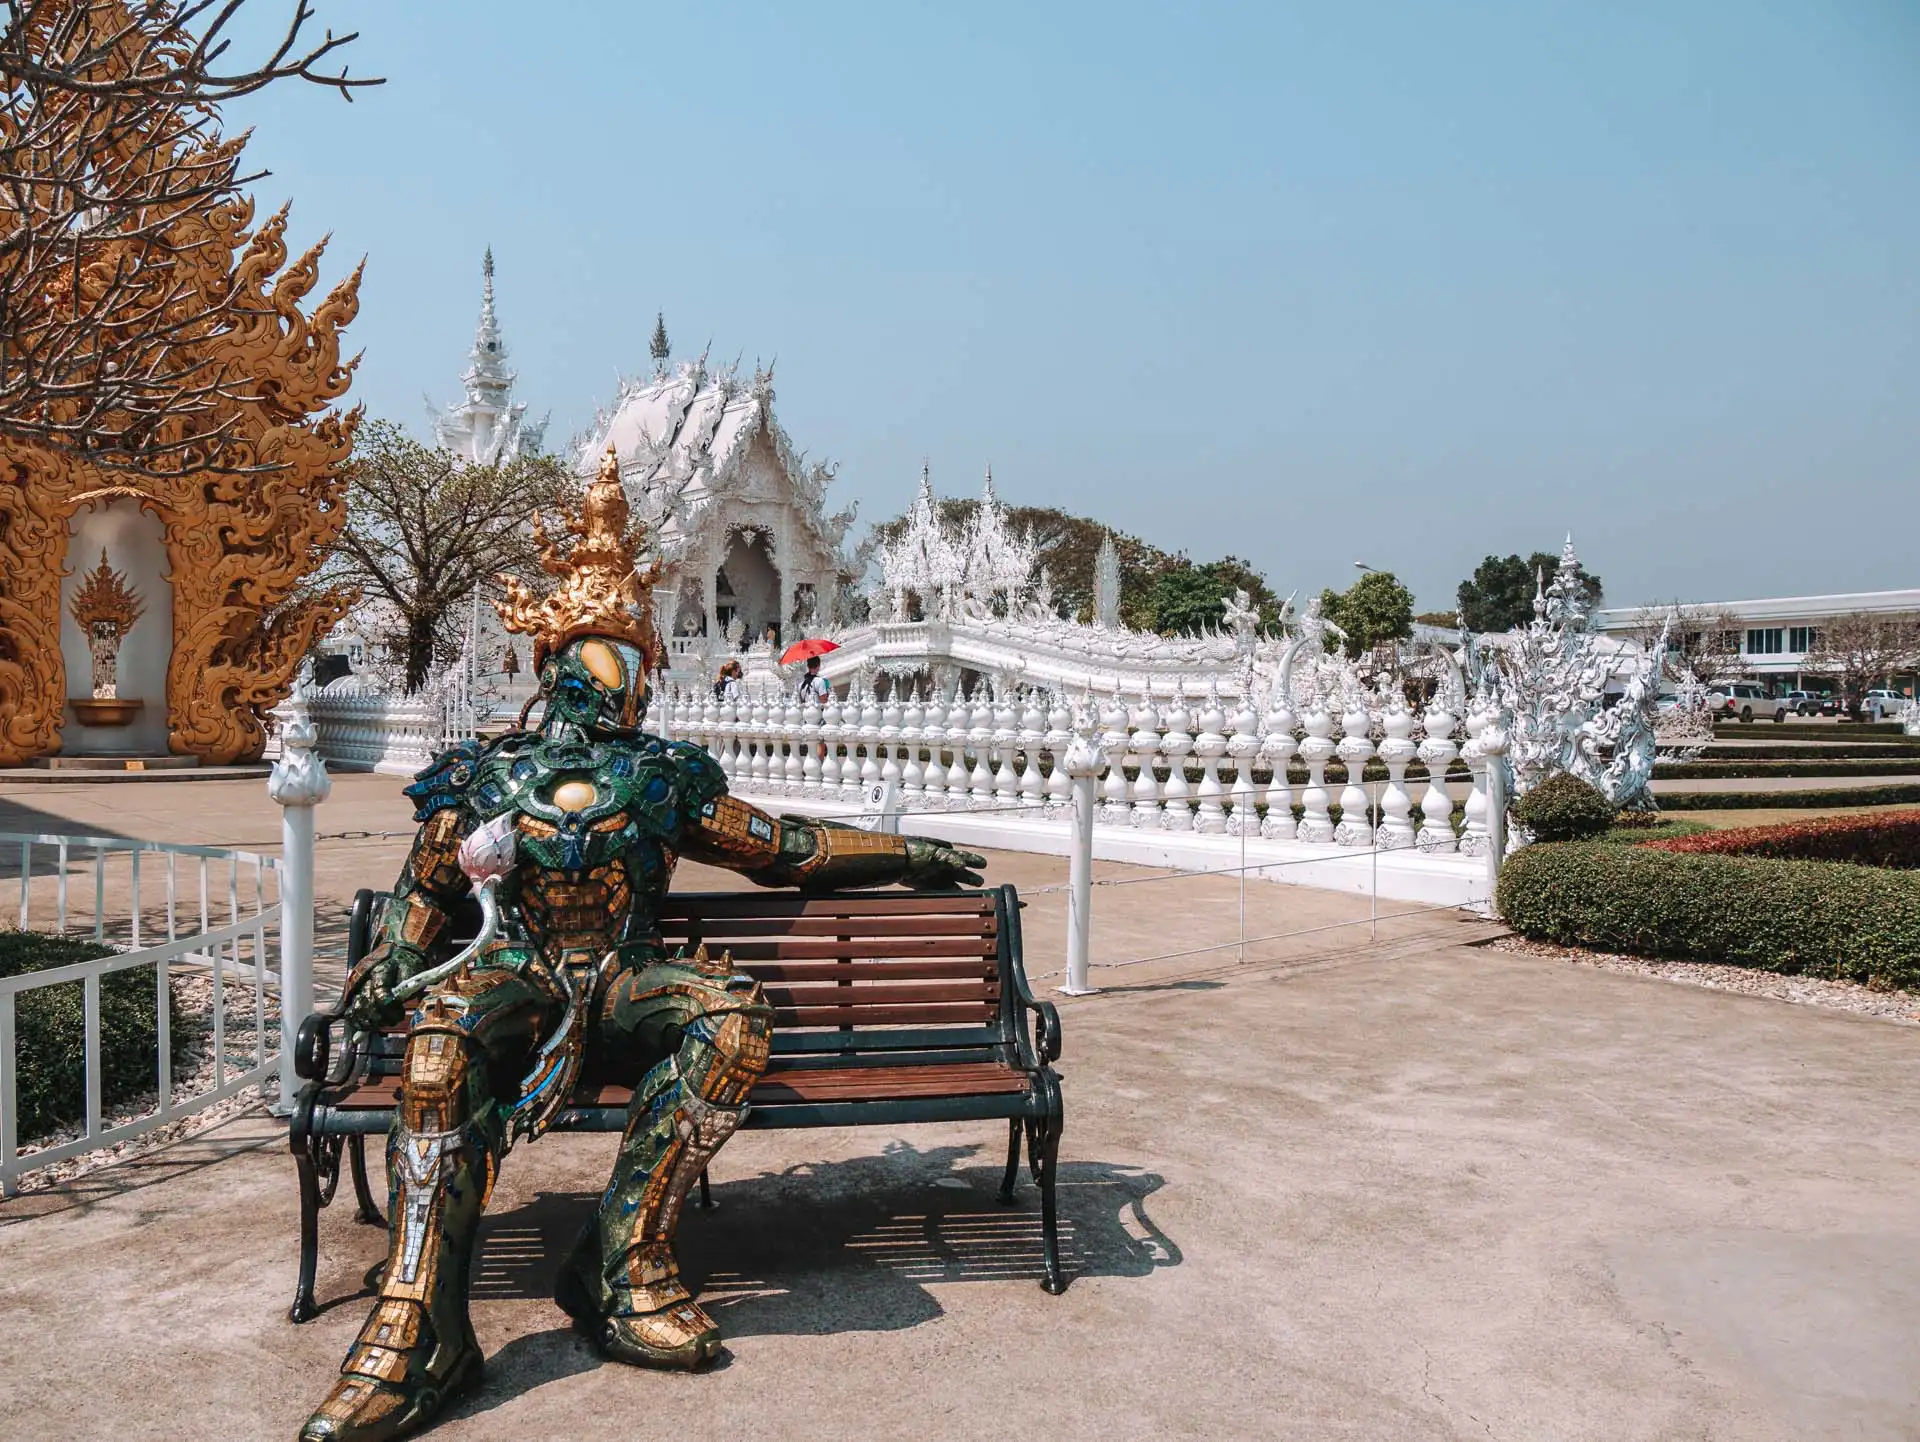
[602, 592]
[241, 539]
[105, 599]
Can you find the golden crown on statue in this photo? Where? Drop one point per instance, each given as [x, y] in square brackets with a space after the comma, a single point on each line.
[603, 591]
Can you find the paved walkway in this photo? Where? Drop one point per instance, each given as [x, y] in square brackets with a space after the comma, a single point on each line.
[1402, 1190]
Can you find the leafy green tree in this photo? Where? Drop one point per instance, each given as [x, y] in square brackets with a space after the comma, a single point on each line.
[1499, 594]
[1186, 599]
[1373, 609]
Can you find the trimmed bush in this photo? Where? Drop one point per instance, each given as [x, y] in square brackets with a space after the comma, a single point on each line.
[1901, 795]
[1820, 918]
[50, 1032]
[1564, 808]
[1740, 769]
[1888, 839]
[1633, 828]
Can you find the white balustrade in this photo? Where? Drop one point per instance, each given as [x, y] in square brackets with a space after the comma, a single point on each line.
[934, 734]
[1113, 744]
[1059, 736]
[1210, 745]
[1473, 834]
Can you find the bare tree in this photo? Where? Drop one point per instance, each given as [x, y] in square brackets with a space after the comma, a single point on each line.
[425, 530]
[1863, 647]
[117, 191]
[1703, 644]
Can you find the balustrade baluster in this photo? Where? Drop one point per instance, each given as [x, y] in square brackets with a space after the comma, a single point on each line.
[1210, 745]
[913, 721]
[1277, 749]
[980, 742]
[891, 715]
[934, 734]
[1006, 779]
[794, 769]
[1474, 833]
[1114, 807]
[1033, 735]
[1175, 743]
[1059, 786]
[869, 737]
[1242, 746]
[1436, 806]
[1356, 747]
[830, 733]
[759, 751]
[1144, 743]
[1396, 749]
[810, 722]
[959, 718]
[1316, 822]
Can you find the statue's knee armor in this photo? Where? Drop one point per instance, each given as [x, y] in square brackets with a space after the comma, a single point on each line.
[436, 1076]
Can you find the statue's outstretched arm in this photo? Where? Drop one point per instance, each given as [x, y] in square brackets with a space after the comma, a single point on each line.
[819, 856]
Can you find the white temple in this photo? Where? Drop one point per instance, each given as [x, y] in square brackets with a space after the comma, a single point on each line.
[738, 514]
[489, 426]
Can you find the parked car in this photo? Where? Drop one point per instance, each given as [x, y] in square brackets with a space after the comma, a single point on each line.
[1880, 703]
[1744, 699]
[1813, 703]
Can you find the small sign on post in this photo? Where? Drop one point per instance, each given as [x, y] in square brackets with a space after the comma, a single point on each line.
[880, 807]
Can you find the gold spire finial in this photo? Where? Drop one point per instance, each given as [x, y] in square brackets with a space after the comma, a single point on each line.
[602, 591]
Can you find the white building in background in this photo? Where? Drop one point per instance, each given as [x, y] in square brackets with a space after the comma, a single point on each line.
[489, 426]
[738, 514]
[1777, 634]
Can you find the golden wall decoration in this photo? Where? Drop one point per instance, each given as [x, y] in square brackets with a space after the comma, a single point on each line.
[240, 540]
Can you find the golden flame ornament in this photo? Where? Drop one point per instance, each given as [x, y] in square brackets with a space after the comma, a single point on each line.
[603, 591]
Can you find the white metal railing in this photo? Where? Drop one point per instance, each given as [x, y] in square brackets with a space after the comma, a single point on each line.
[77, 886]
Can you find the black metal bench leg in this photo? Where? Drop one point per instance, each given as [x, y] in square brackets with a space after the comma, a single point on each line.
[1054, 1281]
[369, 1213]
[304, 1308]
[1013, 1162]
[707, 1203]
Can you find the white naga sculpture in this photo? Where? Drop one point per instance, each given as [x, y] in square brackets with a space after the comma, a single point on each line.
[1550, 685]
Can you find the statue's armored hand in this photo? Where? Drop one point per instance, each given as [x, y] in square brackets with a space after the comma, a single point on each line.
[936, 866]
[367, 1000]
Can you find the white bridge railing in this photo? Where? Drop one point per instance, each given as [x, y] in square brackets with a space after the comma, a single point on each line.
[204, 921]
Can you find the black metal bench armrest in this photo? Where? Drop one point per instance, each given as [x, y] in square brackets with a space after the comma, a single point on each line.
[1046, 1016]
[313, 1049]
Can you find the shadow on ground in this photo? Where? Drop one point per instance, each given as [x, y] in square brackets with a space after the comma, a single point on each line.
[825, 1248]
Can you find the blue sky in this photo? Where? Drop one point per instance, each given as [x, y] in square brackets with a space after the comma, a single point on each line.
[1306, 283]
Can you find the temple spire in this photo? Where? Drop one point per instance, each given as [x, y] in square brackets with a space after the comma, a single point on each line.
[488, 425]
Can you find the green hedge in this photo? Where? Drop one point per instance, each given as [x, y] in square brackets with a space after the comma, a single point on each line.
[50, 1032]
[1743, 770]
[1820, 918]
[1655, 828]
[1743, 751]
[1901, 795]
[1889, 839]
[1835, 731]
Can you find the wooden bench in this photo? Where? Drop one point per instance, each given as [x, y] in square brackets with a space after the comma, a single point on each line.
[889, 1007]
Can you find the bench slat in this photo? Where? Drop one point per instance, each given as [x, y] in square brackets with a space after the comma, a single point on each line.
[902, 947]
[718, 928]
[881, 994]
[707, 905]
[880, 1015]
[982, 969]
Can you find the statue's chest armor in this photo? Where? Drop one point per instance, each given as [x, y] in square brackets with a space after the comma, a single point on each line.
[598, 828]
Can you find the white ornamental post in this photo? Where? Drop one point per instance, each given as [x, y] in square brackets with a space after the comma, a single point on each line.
[1493, 746]
[298, 783]
[1082, 761]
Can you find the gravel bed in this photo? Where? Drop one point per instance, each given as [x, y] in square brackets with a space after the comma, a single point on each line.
[1896, 1006]
[192, 1077]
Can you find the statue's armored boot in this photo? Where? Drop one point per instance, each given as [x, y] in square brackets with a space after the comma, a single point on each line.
[417, 1350]
[622, 1284]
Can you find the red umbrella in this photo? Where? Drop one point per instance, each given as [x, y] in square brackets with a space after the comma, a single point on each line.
[801, 650]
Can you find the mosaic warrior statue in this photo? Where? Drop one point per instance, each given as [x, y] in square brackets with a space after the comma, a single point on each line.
[570, 834]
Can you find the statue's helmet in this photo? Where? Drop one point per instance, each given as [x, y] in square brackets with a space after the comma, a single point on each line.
[598, 684]
[593, 635]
